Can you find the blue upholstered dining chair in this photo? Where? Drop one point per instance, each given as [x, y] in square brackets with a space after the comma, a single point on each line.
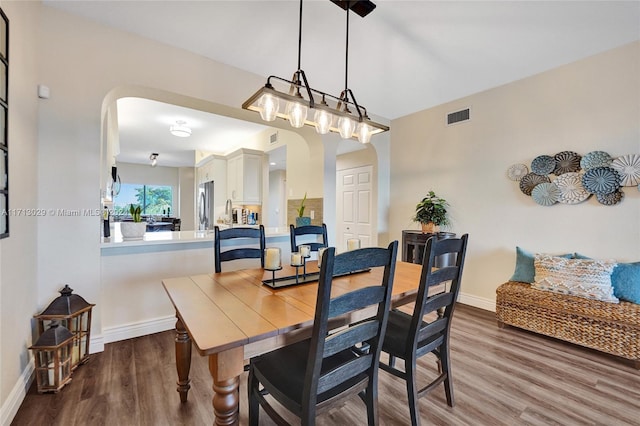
[251, 235]
[410, 337]
[313, 375]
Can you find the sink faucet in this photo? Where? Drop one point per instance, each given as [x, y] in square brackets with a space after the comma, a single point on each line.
[228, 211]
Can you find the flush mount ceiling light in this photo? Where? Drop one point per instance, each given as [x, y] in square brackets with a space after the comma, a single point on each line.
[179, 129]
[301, 105]
[154, 159]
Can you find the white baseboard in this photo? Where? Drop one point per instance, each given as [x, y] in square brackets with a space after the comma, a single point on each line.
[129, 331]
[17, 395]
[478, 302]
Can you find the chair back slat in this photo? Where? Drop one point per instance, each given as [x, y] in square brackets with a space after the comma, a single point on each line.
[356, 300]
[345, 338]
[344, 372]
[436, 302]
[248, 235]
[241, 253]
[432, 328]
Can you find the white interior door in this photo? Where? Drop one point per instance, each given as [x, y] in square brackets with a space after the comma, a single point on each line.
[355, 206]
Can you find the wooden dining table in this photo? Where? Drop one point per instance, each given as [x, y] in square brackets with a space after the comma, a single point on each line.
[232, 317]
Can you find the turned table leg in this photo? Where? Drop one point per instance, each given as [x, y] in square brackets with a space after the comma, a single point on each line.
[226, 368]
[183, 360]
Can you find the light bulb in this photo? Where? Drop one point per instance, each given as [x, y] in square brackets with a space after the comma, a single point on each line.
[323, 120]
[268, 105]
[346, 127]
[364, 133]
[297, 114]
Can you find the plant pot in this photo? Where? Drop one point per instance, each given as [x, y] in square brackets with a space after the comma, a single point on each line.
[132, 230]
[429, 228]
[303, 221]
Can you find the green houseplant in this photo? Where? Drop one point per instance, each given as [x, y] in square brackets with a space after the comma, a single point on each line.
[301, 219]
[431, 213]
[133, 230]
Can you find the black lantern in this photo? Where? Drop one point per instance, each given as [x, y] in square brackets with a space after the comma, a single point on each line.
[74, 313]
[52, 354]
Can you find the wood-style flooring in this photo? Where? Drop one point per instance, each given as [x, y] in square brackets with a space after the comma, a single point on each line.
[501, 377]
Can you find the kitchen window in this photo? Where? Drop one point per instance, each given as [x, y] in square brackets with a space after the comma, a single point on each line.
[152, 199]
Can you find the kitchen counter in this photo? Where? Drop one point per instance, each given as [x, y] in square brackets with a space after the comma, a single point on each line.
[131, 272]
[176, 237]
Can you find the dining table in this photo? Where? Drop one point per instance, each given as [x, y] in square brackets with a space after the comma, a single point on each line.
[233, 316]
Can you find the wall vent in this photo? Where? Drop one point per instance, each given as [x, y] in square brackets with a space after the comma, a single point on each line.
[273, 138]
[458, 116]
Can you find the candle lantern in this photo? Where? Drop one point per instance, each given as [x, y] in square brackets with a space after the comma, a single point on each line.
[52, 354]
[74, 313]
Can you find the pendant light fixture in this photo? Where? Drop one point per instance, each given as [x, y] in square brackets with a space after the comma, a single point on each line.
[299, 104]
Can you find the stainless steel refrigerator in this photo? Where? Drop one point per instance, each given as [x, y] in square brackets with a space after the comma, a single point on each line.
[206, 207]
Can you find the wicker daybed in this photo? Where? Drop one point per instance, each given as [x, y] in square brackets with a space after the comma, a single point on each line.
[613, 328]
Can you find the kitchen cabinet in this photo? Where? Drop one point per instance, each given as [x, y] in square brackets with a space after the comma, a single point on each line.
[244, 177]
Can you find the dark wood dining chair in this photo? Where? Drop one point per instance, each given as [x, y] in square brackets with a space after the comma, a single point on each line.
[297, 233]
[255, 234]
[311, 376]
[410, 337]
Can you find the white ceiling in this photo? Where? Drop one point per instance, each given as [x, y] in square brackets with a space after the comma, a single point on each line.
[404, 57]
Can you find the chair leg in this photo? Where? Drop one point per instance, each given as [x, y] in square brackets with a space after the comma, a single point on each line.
[254, 405]
[412, 392]
[446, 369]
[392, 361]
[371, 399]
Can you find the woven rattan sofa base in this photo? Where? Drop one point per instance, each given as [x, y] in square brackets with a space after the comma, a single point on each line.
[613, 328]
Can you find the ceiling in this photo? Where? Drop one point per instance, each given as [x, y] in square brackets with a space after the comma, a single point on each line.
[404, 57]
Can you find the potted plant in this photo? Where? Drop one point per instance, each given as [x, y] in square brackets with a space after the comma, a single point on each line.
[133, 230]
[431, 213]
[302, 220]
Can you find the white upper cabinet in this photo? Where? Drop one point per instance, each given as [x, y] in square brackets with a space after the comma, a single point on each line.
[244, 176]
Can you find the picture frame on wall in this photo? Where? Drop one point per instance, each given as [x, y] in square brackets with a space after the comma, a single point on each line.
[4, 120]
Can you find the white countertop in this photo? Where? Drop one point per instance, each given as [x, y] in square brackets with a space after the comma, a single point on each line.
[177, 237]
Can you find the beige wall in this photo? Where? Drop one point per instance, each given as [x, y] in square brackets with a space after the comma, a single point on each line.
[18, 281]
[593, 104]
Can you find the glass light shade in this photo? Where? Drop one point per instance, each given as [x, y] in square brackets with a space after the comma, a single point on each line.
[364, 133]
[324, 120]
[346, 127]
[297, 114]
[268, 105]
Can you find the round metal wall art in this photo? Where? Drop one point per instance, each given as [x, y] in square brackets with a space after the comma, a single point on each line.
[566, 162]
[601, 180]
[545, 194]
[530, 180]
[610, 199]
[543, 165]
[577, 177]
[517, 171]
[595, 159]
[571, 189]
[628, 167]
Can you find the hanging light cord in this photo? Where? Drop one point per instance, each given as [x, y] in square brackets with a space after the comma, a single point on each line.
[299, 35]
[346, 59]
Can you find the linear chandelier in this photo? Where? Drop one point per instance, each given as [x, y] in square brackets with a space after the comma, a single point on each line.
[294, 100]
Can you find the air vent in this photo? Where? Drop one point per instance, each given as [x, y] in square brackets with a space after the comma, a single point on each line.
[458, 116]
[273, 138]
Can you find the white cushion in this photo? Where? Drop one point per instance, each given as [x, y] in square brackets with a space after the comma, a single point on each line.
[588, 278]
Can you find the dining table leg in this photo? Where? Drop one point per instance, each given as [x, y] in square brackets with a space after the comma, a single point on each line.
[225, 368]
[183, 359]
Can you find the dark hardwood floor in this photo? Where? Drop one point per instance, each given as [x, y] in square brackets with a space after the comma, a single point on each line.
[501, 377]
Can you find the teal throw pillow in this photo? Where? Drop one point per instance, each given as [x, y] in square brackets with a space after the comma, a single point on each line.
[525, 271]
[625, 280]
